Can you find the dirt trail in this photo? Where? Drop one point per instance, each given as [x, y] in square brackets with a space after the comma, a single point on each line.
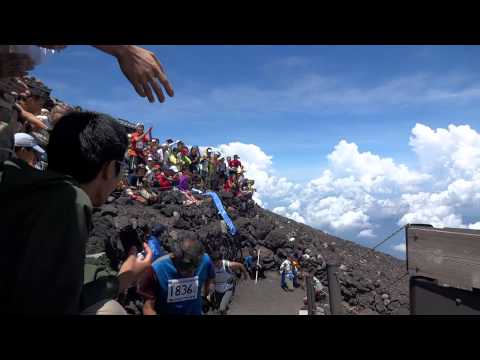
[265, 298]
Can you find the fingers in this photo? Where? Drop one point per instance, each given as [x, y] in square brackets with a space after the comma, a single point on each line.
[153, 83]
[148, 253]
[162, 76]
[166, 84]
[148, 92]
[159, 64]
[138, 88]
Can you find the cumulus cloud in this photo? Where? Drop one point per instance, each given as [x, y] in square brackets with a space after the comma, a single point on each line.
[359, 191]
[258, 166]
[367, 233]
[452, 156]
[401, 248]
[475, 226]
[283, 211]
[452, 153]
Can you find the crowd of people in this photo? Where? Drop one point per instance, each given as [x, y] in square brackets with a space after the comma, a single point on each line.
[154, 167]
[58, 162]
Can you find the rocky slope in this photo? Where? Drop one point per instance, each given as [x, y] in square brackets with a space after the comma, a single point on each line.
[368, 279]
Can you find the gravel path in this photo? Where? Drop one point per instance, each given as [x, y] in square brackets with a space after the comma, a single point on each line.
[265, 298]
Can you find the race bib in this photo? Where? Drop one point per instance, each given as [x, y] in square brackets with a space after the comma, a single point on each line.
[140, 145]
[182, 289]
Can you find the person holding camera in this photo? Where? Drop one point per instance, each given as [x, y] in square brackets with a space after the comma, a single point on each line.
[47, 217]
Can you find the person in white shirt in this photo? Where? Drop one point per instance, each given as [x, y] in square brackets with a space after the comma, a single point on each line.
[225, 273]
[287, 274]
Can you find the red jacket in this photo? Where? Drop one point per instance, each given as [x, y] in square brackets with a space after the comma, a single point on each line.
[162, 181]
[137, 145]
[234, 163]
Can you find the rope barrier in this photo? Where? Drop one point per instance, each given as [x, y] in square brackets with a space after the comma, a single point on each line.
[389, 237]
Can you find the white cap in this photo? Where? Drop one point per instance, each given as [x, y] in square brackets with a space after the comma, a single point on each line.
[174, 168]
[27, 141]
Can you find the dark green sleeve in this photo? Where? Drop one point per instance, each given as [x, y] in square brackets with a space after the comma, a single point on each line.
[50, 278]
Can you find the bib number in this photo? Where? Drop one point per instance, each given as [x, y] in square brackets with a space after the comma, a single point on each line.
[182, 289]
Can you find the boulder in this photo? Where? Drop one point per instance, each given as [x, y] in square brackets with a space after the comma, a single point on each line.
[275, 239]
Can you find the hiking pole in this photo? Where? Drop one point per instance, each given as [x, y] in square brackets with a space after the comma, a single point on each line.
[258, 264]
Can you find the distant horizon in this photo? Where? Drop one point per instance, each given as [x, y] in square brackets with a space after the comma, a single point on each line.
[352, 140]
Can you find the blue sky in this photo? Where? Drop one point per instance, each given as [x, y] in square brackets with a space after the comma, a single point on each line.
[295, 103]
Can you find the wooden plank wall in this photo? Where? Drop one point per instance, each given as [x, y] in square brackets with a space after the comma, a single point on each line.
[451, 256]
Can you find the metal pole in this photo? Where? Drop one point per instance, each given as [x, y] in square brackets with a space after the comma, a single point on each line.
[310, 295]
[258, 264]
[335, 295]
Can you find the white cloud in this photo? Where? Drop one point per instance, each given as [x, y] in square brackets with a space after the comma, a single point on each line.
[450, 153]
[367, 233]
[295, 205]
[283, 211]
[360, 191]
[374, 173]
[258, 166]
[401, 248]
[475, 226]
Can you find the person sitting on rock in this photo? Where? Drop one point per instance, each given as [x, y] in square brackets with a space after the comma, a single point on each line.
[27, 149]
[150, 170]
[173, 284]
[184, 186]
[42, 263]
[225, 280]
[136, 179]
[163, 181]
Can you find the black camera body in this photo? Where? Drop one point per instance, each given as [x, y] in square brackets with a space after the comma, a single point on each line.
[131, 236]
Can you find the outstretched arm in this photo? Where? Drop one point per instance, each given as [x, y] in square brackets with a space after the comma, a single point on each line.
[237, 266]
[142, 68]
[32, 119]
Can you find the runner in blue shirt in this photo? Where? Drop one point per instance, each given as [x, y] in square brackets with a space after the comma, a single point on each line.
[174, 283]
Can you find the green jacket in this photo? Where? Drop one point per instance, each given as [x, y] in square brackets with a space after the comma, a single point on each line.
[45, 219]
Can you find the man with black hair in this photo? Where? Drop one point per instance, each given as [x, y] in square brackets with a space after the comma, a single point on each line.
[46, 216]
[174, 283]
